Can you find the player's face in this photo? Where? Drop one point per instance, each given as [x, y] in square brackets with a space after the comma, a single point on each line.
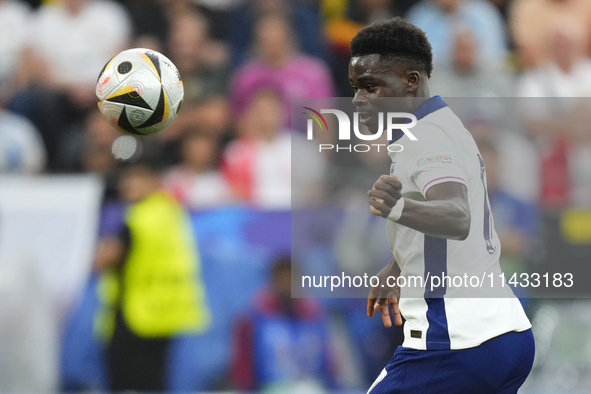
[372, 78]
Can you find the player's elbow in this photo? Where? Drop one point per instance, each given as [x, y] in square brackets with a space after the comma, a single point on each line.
[463, 228]
[464, 233]
[461, 221]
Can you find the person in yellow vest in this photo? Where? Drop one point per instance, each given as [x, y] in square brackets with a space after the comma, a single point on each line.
[150, 287]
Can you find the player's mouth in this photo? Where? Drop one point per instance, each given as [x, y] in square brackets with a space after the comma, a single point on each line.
[364, 117]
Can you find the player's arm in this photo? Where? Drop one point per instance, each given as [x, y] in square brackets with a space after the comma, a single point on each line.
[444, 214]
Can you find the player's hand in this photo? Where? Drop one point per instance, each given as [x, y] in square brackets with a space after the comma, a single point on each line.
[382, 299]
[384, 194]
[381, 305]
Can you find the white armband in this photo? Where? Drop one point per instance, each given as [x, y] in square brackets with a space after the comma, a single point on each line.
[396, 211]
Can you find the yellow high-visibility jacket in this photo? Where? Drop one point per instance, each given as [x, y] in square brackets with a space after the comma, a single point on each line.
[158, 287]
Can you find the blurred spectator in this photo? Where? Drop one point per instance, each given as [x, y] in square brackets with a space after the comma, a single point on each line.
[580, 158]
[149, 22]
[343, 19]
[210, 117]
[201, 62]
[517, 168]
[442, 19]
[258, 163]
[198, 59]
[467, 75]
[150, 287]
[566, 72]
[14, 28]
[282, 341]
[70, 42]
[340, 30]
[302, 15]
[556, 124]
[370, 11]
[214, 116]
[503, 6]
[89, 146]
[218, 13]
[21, 147]
[280, 67]
[529, 21]
[308, 174]
[197, 182]
[95, 155]
[176, 8]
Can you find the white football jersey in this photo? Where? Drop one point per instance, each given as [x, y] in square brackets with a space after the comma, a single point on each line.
[446, 152]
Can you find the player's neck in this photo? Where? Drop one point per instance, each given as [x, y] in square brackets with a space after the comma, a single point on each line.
[423, 91]
[421, 94]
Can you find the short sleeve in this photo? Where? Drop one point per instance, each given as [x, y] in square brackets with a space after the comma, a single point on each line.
[437, 163]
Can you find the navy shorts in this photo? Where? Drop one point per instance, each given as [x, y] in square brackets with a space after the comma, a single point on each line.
[497, 366]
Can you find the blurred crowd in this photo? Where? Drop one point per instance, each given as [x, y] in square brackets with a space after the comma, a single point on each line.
[242, 61]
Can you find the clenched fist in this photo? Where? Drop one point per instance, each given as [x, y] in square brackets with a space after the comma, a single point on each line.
[384, 194]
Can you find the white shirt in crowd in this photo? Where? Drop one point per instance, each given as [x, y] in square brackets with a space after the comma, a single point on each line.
[550, 81]
[76, 47]
[14, 27]
[267, 166]
[198, 191]
[562, 92]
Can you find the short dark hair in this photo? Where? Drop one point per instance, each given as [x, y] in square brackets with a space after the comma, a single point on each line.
[395, 39]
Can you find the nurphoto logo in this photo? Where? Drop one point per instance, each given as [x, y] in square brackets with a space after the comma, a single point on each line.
[344, 129]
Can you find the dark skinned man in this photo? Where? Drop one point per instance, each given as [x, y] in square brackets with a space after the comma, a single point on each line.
[439, 224]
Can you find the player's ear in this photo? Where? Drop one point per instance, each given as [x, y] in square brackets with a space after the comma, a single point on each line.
[412, 80]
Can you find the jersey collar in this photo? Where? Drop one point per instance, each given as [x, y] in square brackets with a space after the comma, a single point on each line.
[428, 107]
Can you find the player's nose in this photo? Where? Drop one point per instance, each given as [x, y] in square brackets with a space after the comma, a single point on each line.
[359, 101]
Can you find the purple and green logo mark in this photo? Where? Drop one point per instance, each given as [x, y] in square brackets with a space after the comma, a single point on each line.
[315, 117]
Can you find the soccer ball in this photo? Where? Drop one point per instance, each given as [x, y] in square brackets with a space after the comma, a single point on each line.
[139, 91]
